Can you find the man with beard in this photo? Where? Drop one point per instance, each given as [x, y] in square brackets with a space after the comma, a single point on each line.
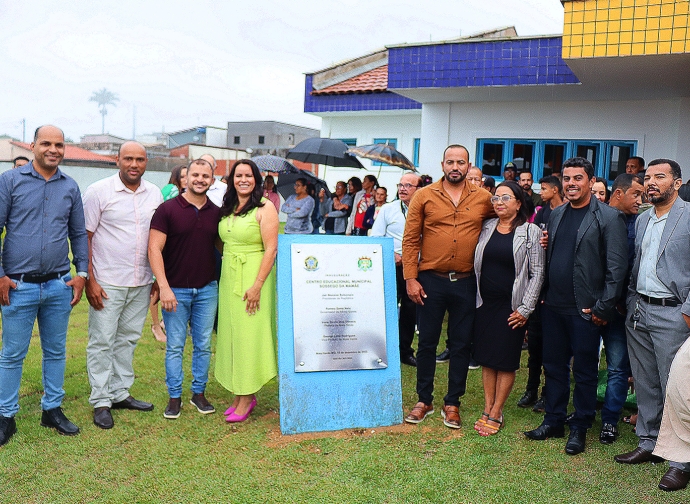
[585, 270]
[118, 211]
[658, 319]
[441, 233]
[181, 251]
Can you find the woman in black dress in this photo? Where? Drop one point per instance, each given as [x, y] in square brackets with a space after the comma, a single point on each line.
[509, 264]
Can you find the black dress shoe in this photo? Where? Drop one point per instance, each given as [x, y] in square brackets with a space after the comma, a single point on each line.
[7, 429]
[674, 479]
[576, 441]
[56, 419]
[133, 404]
[637, 456]
[102, 418]
[540, 405]
[410, 360]
[608, 434]
[545, 431]
[527, 399]
[443, 356]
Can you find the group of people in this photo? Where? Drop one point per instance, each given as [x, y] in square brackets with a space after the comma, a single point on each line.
[131, 248]
[562, 266]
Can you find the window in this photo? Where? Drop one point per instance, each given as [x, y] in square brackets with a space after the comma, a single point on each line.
[350, 142]
[415, 152]
[262, 139]
[236, 140]
[546, 157]
[491, 157]
[393, 142]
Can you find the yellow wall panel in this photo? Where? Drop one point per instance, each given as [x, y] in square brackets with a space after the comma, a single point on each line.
[627, 13]
[650, 48]
[625, 50]
[679, 33]
[600, 51]
[680, 22]
[639, 24]
[653, 23]
[664, 47]
[578, 17]
[626, 25]
[587, 51]
[614, 14]
[682, 7]
[652, 36]
[576, 29]
[576, 40]
[590, 15]
[612, 50]
[589, 28]
[602, 15]
[628, 3]
[588, 39]
[613, 38]
[678, 46]
[666, 22]
[638, 49]
[614, 26]
[667, 9]
[665, 35]
[626, 37]
[653, 11]
[638, 36]
[613, 4]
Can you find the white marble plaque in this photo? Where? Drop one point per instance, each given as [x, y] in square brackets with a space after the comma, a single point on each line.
[338, 307]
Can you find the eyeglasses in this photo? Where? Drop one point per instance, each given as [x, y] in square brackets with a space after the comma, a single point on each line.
[505, 198]
[406, 186]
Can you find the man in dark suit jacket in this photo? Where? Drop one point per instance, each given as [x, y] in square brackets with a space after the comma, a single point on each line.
[587, 261]
[658, 309]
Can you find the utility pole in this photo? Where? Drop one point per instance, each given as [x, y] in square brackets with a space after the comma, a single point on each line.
[134, 122]
[24, 130]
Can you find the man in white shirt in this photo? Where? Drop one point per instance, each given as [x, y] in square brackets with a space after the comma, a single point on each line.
[391, 223]
[118, 212]
[216, 192]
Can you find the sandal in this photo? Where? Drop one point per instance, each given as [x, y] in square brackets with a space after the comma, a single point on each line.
[481, 422]
[630, 419]
[489, 430]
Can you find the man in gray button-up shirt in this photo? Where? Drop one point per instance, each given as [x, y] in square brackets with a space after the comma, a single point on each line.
[40, 209]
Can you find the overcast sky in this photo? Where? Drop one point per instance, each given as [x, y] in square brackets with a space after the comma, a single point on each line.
[184, 64]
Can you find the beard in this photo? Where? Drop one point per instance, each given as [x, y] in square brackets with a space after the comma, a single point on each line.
[455, 177]
[662, 196]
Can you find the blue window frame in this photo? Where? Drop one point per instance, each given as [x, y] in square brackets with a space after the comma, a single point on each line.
[393, 142]
[415, 152]
[350, 142]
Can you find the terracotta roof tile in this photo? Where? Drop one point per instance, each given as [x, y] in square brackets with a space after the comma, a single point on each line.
[72, 152]
[373, 81]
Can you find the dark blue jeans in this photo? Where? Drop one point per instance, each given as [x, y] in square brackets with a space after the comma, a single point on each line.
[566, 336]
[458, 299]
[617, 367]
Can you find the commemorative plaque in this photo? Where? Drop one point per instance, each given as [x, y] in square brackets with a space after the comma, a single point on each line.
[338, 307]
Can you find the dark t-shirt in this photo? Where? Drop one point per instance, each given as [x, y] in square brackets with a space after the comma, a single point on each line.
[188, 253]
[543, 215]
[560, 294]
[498, 267]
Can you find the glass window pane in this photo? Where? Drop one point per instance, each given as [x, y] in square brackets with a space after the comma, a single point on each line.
[589, 152]
[553, 158]
[619, 154]
[522, 156]
[492, 159]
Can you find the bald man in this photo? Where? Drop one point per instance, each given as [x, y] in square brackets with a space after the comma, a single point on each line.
[118, 212]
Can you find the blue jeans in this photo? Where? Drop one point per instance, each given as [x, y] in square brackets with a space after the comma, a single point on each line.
[617, 367]
[196, 308]
[50, 303]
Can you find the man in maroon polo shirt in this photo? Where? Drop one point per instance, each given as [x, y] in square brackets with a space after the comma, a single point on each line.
[181, 253]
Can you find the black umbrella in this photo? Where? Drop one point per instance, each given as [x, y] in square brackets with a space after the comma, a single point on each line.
[325, 151]
[286, 181]
[274, 164]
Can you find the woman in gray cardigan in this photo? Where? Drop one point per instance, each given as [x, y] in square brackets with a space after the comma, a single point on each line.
[336, 210]
[509, 264]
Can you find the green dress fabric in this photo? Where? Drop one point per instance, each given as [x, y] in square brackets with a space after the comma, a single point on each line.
[245, 345]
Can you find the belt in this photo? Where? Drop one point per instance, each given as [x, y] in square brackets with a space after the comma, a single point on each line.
[29, 278]
[660, 301]
[453, 276]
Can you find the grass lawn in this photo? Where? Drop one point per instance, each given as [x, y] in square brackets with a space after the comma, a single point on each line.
[197, 458]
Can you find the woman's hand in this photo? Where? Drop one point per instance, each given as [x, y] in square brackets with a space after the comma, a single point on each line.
[252, 297]
[516, 320]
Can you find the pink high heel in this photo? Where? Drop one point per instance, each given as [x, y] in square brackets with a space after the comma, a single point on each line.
[235, 418]
[229, 411]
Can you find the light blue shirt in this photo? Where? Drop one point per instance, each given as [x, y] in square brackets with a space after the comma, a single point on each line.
[648, 282]
[39, 216]
[298, 212]
[391, 223]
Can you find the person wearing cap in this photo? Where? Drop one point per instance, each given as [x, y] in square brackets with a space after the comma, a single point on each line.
[509, 171]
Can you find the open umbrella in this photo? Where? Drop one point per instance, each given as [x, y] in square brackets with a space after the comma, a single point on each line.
[274, 164]
[383, 153]
[325, 151]
[286, 182]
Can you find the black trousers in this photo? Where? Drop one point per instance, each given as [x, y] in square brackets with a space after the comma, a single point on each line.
[458, 299]
[535, 350]
[407, 318]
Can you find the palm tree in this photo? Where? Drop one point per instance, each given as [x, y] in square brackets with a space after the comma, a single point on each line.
[104, 98]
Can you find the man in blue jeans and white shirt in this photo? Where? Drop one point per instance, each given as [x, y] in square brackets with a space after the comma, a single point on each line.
[41, 210]
[181, 253]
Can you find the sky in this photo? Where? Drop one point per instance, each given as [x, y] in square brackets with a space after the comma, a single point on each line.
[175, 65]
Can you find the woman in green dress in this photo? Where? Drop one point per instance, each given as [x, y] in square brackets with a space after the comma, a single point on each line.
[245, 348]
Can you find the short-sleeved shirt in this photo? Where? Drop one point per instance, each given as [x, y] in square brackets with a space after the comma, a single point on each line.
[120, 219]
[191, 233]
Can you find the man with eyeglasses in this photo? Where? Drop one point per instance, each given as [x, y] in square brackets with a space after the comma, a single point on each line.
[391, 223]
[441, 233]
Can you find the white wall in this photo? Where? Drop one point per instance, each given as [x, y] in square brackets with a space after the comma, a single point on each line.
[661, 127]
[405, 127]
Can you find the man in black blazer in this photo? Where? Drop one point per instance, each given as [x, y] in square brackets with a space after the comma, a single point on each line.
[586, 265]
[658, 309]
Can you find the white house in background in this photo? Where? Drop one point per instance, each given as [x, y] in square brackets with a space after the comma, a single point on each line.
[614, 85]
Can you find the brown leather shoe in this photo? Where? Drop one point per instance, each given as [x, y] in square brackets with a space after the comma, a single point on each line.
[451, 416]
[419, 412]
[674, 479]
[637, 456]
